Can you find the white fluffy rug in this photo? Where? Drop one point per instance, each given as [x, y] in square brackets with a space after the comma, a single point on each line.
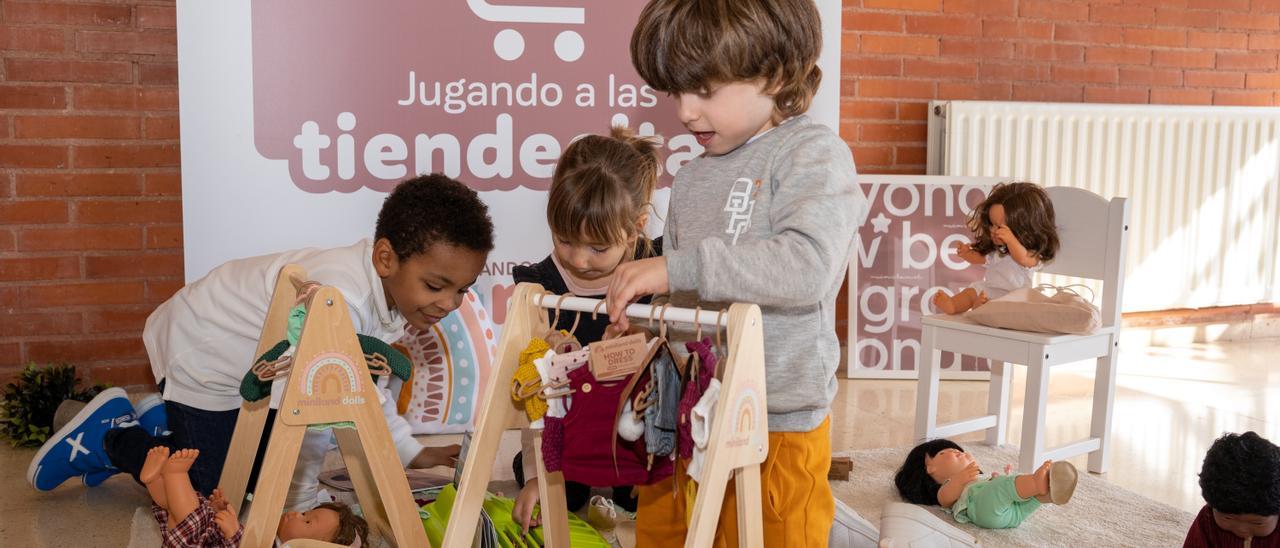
[1099, 515]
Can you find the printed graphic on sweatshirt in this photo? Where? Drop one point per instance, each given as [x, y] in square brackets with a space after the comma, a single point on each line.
[740, 205]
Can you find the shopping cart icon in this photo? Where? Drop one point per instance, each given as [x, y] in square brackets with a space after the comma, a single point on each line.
[508, 43]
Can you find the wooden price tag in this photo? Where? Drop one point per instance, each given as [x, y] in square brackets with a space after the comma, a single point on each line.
[617, 358]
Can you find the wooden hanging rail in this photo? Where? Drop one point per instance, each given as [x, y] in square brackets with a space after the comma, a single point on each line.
[739, 431]
[329, 384]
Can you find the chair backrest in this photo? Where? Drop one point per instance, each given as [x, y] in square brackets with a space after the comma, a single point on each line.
[1094, 234]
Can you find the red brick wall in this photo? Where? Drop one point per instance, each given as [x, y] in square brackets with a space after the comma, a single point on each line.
[899, 54]
[90, 200]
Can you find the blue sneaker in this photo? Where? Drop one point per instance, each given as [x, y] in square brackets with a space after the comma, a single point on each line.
[95, 479]
[76, 449]
[151, 417]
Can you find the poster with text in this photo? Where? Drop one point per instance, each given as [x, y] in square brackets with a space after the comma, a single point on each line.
[297, 117]
[905, 253]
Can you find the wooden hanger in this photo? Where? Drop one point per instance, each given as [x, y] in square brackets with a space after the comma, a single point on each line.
[680, 365]
[558, 341]
[720, 355]
[641, 400]
[697, 325]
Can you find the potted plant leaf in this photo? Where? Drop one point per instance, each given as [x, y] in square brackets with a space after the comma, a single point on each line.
[27, 406]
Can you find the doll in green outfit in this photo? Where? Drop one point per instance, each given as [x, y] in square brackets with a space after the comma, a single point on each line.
[941, 472]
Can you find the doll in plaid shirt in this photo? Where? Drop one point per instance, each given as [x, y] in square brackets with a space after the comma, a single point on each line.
[189, 520]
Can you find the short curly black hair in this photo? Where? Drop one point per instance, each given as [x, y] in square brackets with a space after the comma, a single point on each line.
[431, 209]
[1241, 475]
[913, 480]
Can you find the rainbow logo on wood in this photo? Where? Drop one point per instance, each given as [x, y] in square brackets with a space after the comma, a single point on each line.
[746, 417]
[330, 379]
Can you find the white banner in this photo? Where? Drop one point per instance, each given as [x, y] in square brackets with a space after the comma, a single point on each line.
[298, 116]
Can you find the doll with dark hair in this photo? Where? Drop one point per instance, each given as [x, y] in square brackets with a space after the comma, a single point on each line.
[941, 472]
[1014, 233]
[1240, 482]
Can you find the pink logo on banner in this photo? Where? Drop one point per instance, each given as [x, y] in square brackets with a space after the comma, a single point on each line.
[904, 254]
[354, 95]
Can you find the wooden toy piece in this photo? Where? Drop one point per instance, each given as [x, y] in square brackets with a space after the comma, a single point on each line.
[739, 433]
[328, 386]
[739, 439]
[253, 415]
[498, 414]
[841, 467]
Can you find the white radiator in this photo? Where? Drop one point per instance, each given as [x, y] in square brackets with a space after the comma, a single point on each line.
[1203, 184]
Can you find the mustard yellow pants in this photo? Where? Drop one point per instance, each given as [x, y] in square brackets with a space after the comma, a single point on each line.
[795, 498]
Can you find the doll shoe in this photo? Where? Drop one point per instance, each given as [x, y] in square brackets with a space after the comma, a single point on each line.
[603, 517]
[1062, 481]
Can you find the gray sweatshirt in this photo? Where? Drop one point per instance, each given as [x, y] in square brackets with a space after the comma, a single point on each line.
[772, 223]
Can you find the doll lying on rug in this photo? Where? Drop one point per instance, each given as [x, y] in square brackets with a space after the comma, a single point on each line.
[189, 520]
[941, 472]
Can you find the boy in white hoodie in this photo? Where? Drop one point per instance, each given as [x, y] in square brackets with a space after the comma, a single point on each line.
[431, 241]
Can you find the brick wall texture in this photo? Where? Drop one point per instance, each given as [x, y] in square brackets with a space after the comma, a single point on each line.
[90, 192]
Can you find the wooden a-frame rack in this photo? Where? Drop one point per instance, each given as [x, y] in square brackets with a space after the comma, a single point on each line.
[739, 432]
[328, 383]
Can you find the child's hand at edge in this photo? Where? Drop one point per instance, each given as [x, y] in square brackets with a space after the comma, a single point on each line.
[525, 503]
[436, 456]
[631, 281]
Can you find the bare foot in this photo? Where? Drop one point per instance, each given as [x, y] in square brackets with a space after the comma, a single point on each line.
[180, 462]
[982, 299]
[944, 303]
[1042, 481]
[156, 458]
[150, 475]
[182, 498]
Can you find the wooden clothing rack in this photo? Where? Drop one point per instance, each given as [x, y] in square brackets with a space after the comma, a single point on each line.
[739, 432]
[328, 383]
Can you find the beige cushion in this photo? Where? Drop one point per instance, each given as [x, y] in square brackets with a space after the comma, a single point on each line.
[1031, 310]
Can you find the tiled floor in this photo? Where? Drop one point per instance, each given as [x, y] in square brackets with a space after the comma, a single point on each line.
[1170, 405]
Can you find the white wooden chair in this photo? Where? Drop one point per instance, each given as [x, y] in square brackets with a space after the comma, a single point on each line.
[1094, 234]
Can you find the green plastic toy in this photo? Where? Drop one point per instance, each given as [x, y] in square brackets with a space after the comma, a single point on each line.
[509, 532]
